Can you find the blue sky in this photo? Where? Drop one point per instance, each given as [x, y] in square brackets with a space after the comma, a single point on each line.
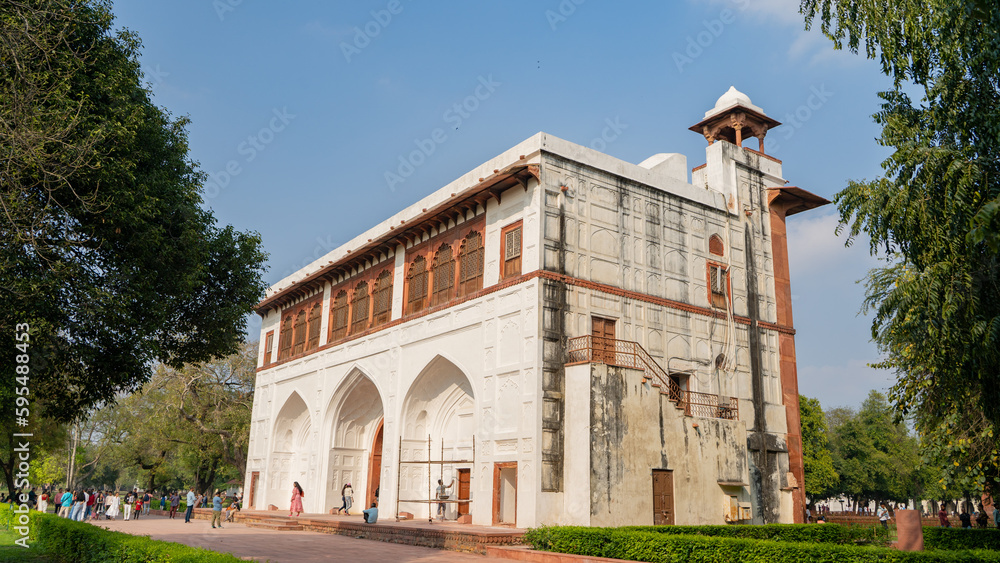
[299, 110]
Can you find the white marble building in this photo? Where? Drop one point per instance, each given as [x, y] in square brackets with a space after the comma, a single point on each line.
[582, 340]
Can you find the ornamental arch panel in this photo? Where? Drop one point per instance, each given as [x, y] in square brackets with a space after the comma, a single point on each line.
[352, 429]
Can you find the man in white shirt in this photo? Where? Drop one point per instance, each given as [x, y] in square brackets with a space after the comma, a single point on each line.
[190, 505]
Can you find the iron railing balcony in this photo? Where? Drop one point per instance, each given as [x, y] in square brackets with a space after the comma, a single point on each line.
[625, 353]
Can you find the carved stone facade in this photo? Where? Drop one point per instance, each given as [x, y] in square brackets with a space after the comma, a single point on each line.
[682, 273]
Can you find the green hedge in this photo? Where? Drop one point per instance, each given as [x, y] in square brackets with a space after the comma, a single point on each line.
[825, 533]
[957, 538]
[656, 547]
[64, 540]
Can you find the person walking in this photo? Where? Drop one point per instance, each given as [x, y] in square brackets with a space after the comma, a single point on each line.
[297, 494]
[883, 516]
[175, 503]
[79, 505]
[65, 504]
[190, 505]
[347, 491]
[138, 506]
[112, 503]
[965, 518]
[217, 510]
[127, 504]
[146, 498]
[91, 500]
[43, 502]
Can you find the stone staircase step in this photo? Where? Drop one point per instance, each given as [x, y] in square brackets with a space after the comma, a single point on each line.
[284, 525]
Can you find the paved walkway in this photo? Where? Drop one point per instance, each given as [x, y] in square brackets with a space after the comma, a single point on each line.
[278, 547]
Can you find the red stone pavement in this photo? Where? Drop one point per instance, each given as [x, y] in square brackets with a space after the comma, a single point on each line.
[278, 546]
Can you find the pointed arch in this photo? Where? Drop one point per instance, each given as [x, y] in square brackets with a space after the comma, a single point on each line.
[293, 414]
[354, 415]
[439, 404]
[716, 246]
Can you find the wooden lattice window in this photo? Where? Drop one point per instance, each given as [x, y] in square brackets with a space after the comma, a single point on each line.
[416, 285]
[285, 338]
[382, 310]
[339, 316]
[715, 245]
[444, 275]
[470, 269]
[718, 285]
[315, 322]
[299, 340]
[511, 240]
[268, 346]
[360, 306]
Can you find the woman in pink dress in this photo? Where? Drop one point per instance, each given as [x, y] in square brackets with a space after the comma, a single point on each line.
[297, 495]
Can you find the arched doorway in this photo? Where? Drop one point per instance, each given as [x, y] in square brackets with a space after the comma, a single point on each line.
[291, 444]
[355, 422]
[375, 467]
[440, 407]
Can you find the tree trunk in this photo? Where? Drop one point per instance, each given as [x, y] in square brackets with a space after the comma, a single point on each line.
[9, 466]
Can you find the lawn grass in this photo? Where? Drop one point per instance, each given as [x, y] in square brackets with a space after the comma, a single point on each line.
[13, 553]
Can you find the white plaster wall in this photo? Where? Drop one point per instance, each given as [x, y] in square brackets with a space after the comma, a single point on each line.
[492, 340]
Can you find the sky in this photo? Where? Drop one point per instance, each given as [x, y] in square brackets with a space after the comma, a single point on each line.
[301, 111]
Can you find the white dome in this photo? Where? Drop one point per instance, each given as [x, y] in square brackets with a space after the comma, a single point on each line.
[732, 97]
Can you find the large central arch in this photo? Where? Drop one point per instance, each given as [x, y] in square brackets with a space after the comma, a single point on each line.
[354, 422]
[440, 406]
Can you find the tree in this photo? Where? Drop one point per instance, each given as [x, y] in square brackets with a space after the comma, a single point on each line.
[934, 216]
[874, 455]
[185, 426]
[107, 254]
[820, 476]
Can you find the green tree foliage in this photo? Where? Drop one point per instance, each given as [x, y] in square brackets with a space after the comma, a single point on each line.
[107, 251]
[186, 426]
[874, 455]
[935, 215]
[821, 477]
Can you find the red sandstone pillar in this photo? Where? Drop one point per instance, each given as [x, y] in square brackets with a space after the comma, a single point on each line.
[783, 202]
[910, 531]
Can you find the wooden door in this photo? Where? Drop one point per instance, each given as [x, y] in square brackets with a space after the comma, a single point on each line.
[603, 332]
[374, 468]
[663, 497]
[254, 478]
[464, 490]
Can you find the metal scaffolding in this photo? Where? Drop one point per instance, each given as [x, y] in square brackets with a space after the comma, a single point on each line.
[431, 501]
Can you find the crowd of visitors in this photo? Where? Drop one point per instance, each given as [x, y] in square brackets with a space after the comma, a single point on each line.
[90, 503]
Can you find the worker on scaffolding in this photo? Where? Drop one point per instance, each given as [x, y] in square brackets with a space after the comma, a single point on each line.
[442, 494]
